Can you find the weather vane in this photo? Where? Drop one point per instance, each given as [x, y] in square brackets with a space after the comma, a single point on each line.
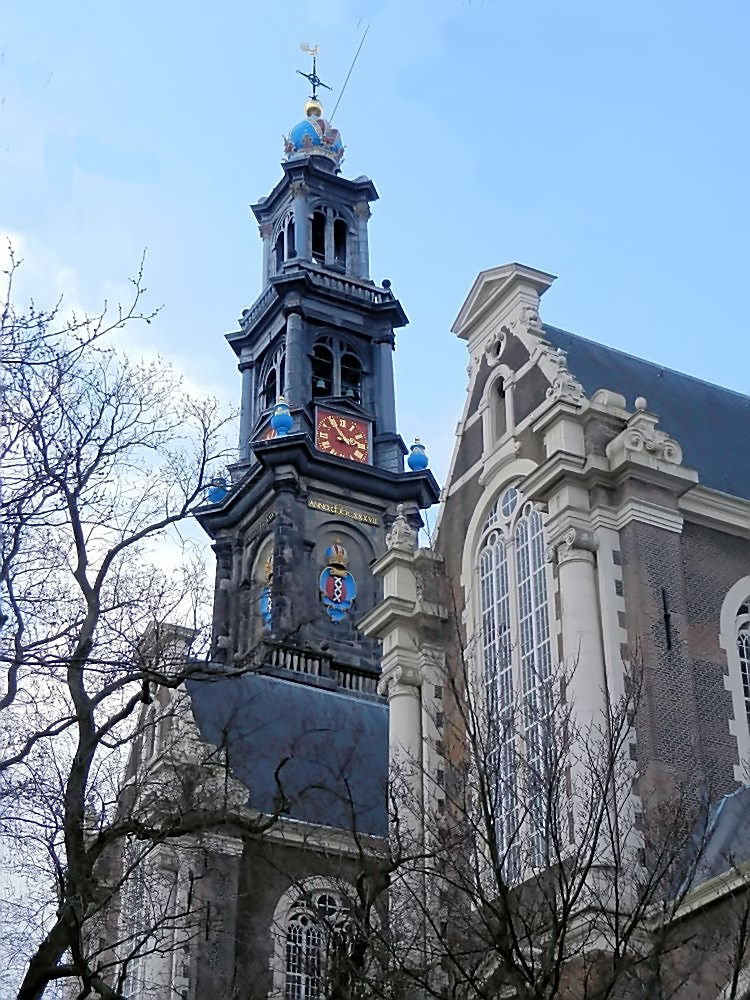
[313, 77]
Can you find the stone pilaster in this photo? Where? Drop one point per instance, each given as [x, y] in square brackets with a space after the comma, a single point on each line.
[301, 221]
[294, 389]
[247, 404]
[266, 231]
[582, 649]
[362, 211]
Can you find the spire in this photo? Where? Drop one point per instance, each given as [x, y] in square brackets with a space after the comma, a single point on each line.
[314, 136]
[313, 106]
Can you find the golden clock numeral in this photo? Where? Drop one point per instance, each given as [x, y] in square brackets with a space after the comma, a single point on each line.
[359, 454]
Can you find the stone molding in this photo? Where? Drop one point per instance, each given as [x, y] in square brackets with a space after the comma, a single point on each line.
[713, 509]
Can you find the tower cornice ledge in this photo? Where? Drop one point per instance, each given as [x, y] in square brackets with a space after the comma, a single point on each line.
[296, 450]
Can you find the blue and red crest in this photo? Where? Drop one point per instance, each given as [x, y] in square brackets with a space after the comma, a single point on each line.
[266, 606]
[338, 588]
[265, 602]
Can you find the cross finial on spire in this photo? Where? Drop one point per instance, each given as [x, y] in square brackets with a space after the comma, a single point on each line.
[313, 77]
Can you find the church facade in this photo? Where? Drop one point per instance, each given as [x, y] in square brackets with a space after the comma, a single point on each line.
[593, 547]
[593, 550]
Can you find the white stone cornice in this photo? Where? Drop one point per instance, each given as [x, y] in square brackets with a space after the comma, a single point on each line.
[495, 291]
[634, 509]
[713, 509]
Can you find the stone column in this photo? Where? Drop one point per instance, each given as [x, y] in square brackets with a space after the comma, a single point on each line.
[362, 211]
[401, 681]
[295, 370]
[581, 625]
[247, 404]
[266, 231]
[301, 221]
[384, 387]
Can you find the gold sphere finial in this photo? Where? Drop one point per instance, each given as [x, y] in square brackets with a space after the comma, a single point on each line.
[313, 108]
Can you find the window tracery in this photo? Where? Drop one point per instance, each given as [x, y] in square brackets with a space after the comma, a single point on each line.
[734, 639]
[272, 379]
[329, 237]
[743, 652]
[315, 938]
[284, 242]
[516, 656]
[336, 370]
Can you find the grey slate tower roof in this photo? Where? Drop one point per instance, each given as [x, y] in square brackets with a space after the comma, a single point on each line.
[698, 414]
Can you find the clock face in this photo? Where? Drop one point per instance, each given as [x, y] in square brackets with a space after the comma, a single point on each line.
[342, 436]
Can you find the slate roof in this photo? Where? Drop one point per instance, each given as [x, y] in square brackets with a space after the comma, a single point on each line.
[334, 747]
[728, 834]
[711, 424]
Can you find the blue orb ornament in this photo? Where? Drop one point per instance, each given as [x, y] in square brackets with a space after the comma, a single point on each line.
[217, 489]
[417, 459]
[281, 421]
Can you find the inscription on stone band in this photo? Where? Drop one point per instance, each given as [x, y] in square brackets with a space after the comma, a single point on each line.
[334, 508]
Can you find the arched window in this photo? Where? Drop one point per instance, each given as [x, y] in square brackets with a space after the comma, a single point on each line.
[351, 376]
[284, 245]
[272, 379]
[322, 370]
[316, 941]
[329, 237]
[516, 656]
[336, 370]
[318, 237]
[339, 242]
[743, 653]
[734, 639]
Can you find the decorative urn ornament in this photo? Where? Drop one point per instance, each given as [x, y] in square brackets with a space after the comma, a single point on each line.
[417, 459]
[281, 420]
[217, 489]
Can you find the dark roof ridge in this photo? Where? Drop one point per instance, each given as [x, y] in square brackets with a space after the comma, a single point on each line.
[645, 361]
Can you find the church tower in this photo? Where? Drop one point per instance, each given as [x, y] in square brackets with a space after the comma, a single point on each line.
[321, 468]
[319, 482]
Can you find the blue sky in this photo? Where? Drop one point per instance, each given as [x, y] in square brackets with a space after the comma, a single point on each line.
[601, 140]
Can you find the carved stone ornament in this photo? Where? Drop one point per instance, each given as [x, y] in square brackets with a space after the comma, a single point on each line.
[496, 345]
[576, 543]
[531, 320]
[402, 535]
[402, 679]
[641, 440]
[565, 386]
[473, 365]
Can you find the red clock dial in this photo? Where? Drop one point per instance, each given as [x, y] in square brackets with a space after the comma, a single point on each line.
[342, 435]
